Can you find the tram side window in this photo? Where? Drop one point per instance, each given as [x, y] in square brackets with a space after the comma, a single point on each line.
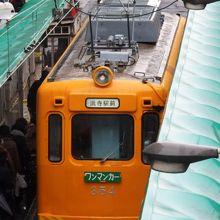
[96, 137]
[150, 128]
[55, 138]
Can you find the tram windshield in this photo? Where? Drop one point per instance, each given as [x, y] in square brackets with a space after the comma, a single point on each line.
[102, 137]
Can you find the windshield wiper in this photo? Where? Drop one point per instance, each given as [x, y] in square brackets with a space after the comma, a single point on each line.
[109, 155]
[114, 150]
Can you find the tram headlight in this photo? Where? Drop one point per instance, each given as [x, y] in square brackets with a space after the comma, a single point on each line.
[102, 76]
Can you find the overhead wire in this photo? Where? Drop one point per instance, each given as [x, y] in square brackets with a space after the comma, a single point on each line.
[122, 16]
[123, 6]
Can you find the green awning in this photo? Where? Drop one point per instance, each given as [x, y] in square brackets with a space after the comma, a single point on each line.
[24, 29]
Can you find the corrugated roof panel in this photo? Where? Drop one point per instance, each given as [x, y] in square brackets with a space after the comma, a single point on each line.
[192, 116]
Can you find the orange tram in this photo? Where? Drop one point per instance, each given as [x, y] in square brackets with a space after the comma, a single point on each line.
[91, 133]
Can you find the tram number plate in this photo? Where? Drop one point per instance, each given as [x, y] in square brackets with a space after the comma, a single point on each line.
[102, 177]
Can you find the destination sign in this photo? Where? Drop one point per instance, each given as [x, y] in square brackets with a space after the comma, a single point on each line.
[102, 103]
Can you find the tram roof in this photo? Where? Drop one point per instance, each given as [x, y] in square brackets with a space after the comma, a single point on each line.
[152, 58]
[192, 116]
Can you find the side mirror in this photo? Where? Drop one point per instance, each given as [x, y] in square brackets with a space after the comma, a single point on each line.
[197, 4]
[176, 158]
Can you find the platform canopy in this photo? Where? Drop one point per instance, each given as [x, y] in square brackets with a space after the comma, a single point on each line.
[24, 29]
[193, 117]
